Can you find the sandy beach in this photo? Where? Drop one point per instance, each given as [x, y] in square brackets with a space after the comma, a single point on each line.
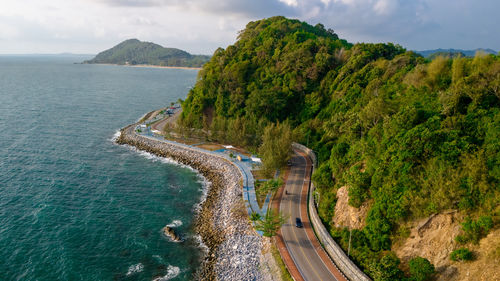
[150, 66]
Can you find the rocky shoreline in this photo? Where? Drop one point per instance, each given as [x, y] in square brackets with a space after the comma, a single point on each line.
[234, 249]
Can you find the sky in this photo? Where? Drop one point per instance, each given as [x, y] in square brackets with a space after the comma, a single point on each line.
[201, 26]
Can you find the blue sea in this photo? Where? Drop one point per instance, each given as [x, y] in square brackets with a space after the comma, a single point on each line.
[74, 205]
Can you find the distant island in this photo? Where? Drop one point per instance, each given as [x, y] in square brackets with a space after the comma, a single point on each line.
[135, 52]
[451, 53]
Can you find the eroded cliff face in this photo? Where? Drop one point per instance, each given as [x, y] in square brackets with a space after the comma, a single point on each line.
[486, 266]
[346, 215]
[432, 238]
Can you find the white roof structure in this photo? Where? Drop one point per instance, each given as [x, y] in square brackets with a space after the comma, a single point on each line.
[228, 146]
[255, 159]
[156, 131]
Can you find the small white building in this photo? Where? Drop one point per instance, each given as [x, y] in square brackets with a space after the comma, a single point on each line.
[256, 159]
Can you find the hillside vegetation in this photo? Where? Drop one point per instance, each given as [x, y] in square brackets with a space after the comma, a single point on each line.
[414, 136]
[135, 52]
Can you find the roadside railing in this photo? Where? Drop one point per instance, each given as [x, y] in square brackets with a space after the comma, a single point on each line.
[350, 270]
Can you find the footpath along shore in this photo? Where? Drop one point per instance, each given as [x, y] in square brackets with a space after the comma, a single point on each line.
[234, 248]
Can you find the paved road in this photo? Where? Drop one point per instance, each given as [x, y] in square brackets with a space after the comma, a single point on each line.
[304, 252]
[160, 125]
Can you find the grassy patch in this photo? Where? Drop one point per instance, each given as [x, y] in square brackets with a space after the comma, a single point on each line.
[285, 275]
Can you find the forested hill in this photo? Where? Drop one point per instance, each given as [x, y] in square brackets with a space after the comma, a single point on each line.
[411, 136]
[135, 52]
[454, 52]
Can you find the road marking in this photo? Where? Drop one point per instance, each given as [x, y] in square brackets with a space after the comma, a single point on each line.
[295, 233]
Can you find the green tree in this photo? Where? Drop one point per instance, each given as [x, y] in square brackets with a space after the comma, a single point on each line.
[276, 146]
[271, 223]
[474, 230]
[421, 269]
[270, 186]
[387, 268]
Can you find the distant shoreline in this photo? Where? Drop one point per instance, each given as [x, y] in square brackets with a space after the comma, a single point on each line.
[148, 66]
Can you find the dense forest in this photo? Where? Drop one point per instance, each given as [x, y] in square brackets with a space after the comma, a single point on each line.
[135, 52]
[413, 135]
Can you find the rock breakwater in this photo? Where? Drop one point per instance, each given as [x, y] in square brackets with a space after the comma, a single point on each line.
[234, 249]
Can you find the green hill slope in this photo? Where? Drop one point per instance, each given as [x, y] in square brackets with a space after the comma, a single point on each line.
[413, 136]
[135, 52]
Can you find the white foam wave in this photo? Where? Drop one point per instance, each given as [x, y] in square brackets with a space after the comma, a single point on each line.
[115, 136]
[135, 268]
[156, 158]
[205, 186]
[172, 272]
[175, 223]
[202, 245]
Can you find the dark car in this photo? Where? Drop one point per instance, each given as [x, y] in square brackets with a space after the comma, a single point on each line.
[298, 223]
[289, 163]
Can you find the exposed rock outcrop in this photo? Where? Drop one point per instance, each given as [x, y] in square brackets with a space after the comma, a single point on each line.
[346, 215]
[170, 232]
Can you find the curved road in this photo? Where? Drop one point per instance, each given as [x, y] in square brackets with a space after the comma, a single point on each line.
[310, 259]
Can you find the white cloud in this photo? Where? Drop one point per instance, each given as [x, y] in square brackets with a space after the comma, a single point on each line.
[290, 2]
[385, 7]
[200, 26]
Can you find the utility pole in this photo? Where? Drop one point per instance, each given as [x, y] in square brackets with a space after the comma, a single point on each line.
[350, 235]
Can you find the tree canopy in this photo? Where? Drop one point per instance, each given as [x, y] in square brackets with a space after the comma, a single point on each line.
[135, 52]
[415, 136]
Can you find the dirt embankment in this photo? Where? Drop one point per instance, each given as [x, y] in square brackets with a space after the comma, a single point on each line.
[346, 215]
[431, 238]
[434, 239]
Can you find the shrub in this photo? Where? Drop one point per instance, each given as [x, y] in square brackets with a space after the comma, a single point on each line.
[475, 230]
[387, 268]
[462, 254]
[255, 216]
[421, 269]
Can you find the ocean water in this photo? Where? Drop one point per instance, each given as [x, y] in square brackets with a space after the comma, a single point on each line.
[74, 205]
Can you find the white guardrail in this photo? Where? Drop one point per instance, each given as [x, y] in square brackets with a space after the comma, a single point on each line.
[338, 256]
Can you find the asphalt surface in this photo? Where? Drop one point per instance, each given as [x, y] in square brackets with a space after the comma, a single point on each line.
[301, 248]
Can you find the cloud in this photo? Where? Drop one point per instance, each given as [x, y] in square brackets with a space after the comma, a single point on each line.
[200, 26]
[253, 8]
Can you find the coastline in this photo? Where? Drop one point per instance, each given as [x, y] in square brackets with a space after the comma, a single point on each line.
[148, 66]
[222, 221]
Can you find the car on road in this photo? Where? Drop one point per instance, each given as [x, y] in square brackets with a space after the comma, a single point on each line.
[298, 223]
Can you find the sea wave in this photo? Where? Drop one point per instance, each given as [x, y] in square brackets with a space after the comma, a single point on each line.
[172, 272]
[156, 158]
[175, 223]
[205, 184]
[201, 245]
[135, 268]
[115, 136]
[159, 259]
